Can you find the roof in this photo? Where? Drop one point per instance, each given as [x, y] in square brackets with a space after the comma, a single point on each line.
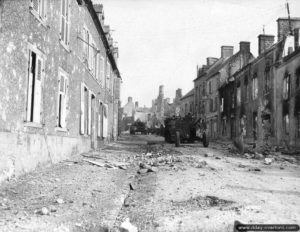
[189, 94]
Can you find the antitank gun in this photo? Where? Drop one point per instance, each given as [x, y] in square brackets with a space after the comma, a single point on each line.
[185, 129]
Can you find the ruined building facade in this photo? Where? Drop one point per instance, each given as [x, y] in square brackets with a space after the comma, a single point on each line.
[257, 98]
[59, 92]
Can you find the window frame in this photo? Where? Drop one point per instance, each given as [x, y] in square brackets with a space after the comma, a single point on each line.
[286, 91]
[254, 87]
[62, 115]
[39, 10]
[34, 101]
[65, 22]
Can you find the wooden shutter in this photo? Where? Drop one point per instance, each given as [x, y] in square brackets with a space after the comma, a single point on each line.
[105, 124]
[38, 90]
[89, 113]
[63, 103]
[82, 109]
[29, 88]
[67, 42]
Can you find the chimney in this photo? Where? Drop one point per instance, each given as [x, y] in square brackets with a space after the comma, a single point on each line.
[136, 104]
[129, 99]
[100, 13]
[226, 51]
[161, 90]
[264, 43]
[283, 26]
[178, 93]
[211, 60]
[245, 46]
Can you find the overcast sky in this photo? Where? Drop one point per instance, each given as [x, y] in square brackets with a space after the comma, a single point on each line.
[162, 41]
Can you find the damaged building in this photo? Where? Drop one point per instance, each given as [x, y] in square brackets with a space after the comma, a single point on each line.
[262, 98]
[60, 82]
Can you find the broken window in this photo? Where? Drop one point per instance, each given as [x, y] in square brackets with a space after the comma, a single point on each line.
[65, 22]
[222, 105]
[62, 99]
[298, 78]
[286, 86]
[286, 124]
[238, 95]
[34, 89]
[298, 126]
[39, 7]
[267, 80]
[246, 89]
[254, 87]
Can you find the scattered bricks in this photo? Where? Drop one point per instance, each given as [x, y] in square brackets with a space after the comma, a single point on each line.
[153, 169]
[142, 171]
[43, 211]
[201, 164]
[60, 201]
[268, 161]
[242, 166]
[254, 169]
[208, 155]
[258, 156]
[126, 226]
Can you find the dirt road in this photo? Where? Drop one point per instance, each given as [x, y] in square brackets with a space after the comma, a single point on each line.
[157, 186]
[211, 188]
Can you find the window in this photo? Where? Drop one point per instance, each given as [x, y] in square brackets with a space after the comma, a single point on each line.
[39, 7]
[298, 78]
[107, 74]
[211, 104]
[85, 42]
[62, 99]
[65, 22]
[232, 99]
[216, 104]
[286, 87]
[84, 110]
[267, 80]
[254, 87]
[286, 123]
[34, 89]
[222, 105]
[210, 87]
[298, 126]
[102, 66]
[238, 95]
[246, 89]
[100, 120]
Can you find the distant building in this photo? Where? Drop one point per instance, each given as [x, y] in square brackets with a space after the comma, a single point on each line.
[187, 104]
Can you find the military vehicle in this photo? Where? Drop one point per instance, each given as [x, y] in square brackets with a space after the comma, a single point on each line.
[138, 126]
[185, 129]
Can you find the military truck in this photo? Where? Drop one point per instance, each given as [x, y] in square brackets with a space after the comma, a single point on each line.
[185, 129]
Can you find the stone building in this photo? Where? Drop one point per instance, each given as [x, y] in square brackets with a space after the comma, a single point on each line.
[211, 77]
[262, 97]
[60, 84]
[187, 104]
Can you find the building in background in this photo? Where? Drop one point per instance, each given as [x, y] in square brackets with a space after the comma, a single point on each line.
[187, 104]
[60, 83]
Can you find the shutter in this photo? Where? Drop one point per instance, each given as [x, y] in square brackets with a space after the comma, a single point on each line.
[89, 113]
[37, 91]
[82, 109]
[45, 8]
[63, 101]
[29, 88]
[83, 35]
[68, 23]
[105, 124]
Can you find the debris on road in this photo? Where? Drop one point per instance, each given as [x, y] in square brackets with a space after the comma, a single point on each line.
[126, 226]
[60, 201]
[107, 164]
[254, 169]
[201, 164]
[43, 211]
[268, 161]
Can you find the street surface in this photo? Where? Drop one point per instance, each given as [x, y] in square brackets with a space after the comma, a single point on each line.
[157, 186]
